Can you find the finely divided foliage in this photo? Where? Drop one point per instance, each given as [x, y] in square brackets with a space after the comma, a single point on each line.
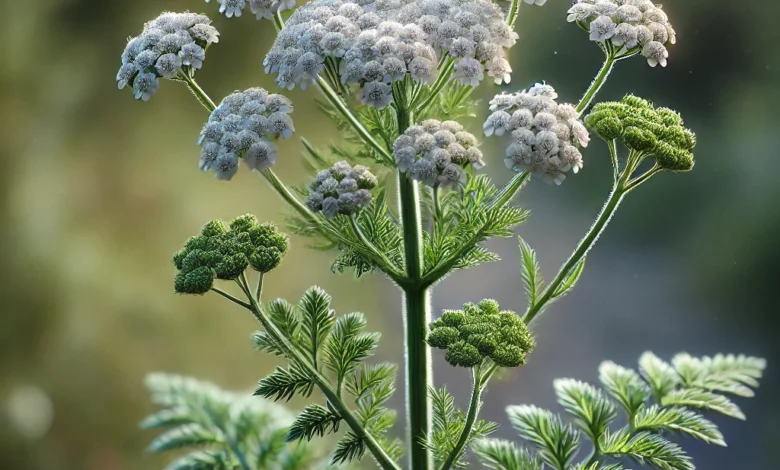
[681, 393]
[399, 194]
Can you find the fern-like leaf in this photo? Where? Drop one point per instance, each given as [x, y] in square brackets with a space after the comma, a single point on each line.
[314, 420]
[531, 272]
[556, 442]
[660, 375]
[593, 411]
[498, 454]
[646, 448]
[655, 418]
[317, 319]
[625, 385]
[283, 384]
[703, 400]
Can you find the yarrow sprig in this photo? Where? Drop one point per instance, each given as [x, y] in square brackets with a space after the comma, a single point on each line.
[546, 136]
[244, 127]
[172, 46]
[413, 65]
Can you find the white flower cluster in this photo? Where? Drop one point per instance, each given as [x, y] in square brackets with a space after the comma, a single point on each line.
[436, 152]
[341, 189]
[377, 43]
[243, 126]
[168, 44]
[545, 135]
[627, 24]
[260, 8]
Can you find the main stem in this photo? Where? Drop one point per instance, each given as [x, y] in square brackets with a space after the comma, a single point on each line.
[618, 191]
[417, 315]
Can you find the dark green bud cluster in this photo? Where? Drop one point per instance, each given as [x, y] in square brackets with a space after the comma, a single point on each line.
[644, 128]
[480, 331]
[223, 251]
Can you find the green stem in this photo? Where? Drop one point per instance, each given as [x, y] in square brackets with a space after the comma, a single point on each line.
[618, 191]
[259, 288]
[614, 158]
[437, 215]
[230, 297]
[598, 82]
[289, 197]
[198, 92]
[417, 316]
[383, 460]
[641, 179]
[480, 382]
[442, 80]
[508, 192]
[239, 455]
[511, 14]
[338, 103]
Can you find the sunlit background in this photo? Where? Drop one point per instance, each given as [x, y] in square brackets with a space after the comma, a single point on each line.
[98, 190]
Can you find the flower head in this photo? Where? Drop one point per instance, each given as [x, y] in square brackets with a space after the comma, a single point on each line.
[225, 251]
[546, 136]
[244, 126]
[171, 44]
[341, 189]
[482, 331]
[436, 153]
[643, 128]
[629, 26]
[378, 43]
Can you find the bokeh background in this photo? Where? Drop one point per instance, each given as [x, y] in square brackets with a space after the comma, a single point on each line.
[97, 190]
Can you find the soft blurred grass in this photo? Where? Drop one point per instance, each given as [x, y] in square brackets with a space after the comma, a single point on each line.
[98, 190]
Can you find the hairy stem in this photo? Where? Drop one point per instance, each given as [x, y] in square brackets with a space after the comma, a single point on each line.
[598, 82]
[383, 460]
[198, 92]
[615, 197]
[444, 77]
[480, 382]
[508, 192]
[259, 288]
[511, 13]
[289, 197]
[417, 315]
[338, 103]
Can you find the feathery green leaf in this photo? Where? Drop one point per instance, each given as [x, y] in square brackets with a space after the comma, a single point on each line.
[655, 418]
[557, 443]
[592, 409]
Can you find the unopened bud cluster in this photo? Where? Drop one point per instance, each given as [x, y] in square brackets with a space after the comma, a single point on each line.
[260, 8]
[170, 45]
[627, 25]
[659, 132]
[482, 331]
[244, 126]
[373, 44]
[223, 251]
[435, 153]
[546, 136]
[341, 189]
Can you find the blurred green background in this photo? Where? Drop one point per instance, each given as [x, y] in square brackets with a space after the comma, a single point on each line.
[98, 190]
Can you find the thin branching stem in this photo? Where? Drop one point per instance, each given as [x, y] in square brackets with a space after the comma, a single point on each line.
[259, 287]
[480, 381]
[230, 297]
[597, 83]
[614, 158]
[509, 191]
[511, 13]
[443, 79]
[198, 92]
[289, 197]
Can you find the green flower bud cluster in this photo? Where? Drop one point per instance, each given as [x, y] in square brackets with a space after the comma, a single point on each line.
[646, 129]
[479, 331]
[223, 251]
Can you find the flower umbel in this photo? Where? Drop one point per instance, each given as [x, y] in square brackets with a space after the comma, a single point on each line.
[646, 130]
[244, 126]
[482, 331]
[546, 136]
[169, 46]
[341, 189]
[223, 251]
[626, 27]
[435, 153]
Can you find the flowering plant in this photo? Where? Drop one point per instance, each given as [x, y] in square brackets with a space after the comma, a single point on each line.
[397, 76]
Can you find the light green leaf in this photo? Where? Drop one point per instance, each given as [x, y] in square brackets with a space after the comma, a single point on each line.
[592, 409]
[625, 385]
[187, 435]
[570, 280]
[317, 320]
[346, 346]
[369, 377]
[314, 420]
[497, 454]
[202, 460]
[169, 417]
[531, 273]
[702, 399]
[646, 448]
[722, 373]
[655, 418]
[557, 443]
[659, 374]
